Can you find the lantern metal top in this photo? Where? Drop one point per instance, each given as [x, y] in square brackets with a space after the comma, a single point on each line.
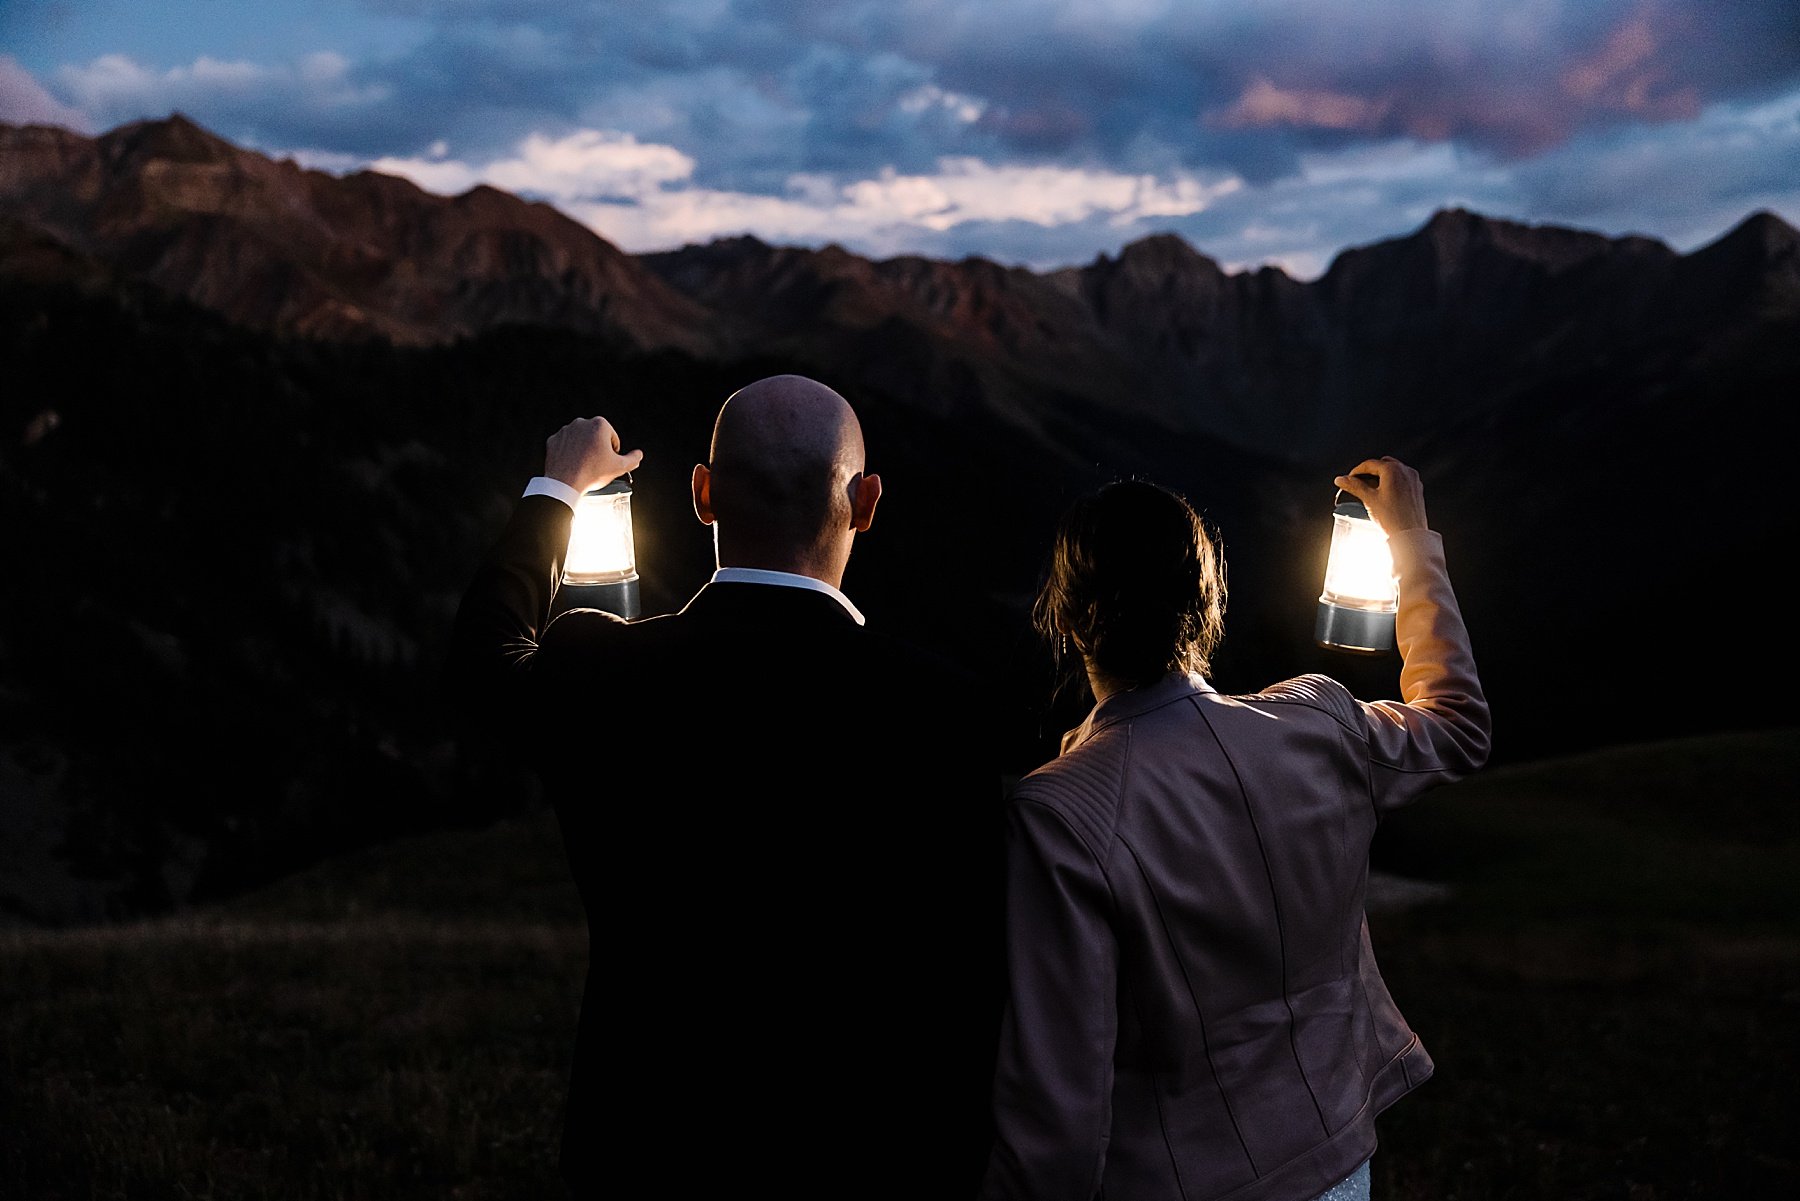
[1345, 505]
[619, 484]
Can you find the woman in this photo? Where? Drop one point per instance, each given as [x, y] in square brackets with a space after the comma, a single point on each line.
[1195, 1011]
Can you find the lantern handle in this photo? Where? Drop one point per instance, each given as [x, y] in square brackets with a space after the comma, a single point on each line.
[1374, 481]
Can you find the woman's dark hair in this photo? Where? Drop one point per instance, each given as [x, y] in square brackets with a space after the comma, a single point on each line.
[1136, 581]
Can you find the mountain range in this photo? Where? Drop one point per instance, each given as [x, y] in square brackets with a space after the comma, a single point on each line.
[262, 420]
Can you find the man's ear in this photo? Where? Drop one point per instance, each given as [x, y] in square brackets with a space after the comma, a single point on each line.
[865, 491]
[703, 494]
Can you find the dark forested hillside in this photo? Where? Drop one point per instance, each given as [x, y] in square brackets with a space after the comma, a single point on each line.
[233, 546]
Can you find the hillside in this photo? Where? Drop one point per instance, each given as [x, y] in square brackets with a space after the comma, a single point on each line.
[1611, 965]
[261, 422]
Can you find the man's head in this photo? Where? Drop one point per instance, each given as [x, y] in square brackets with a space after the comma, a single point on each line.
[784, 488]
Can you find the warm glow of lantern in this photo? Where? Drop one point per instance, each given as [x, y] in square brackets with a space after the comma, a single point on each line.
[1360, 572]
[601, 550]
[1362, 594]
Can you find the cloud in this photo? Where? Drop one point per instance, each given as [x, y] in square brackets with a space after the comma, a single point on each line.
[1626, 74]
[1092, 79]
[1346, 197]
[319, 99]
[1260, 129]
[23, 101]
[1517, 87]
[1685, 183]
[923, 99]
[1262, 103]
[586, 165]
[640, 195]
[115, 87]
[965, 189]
[754, 91]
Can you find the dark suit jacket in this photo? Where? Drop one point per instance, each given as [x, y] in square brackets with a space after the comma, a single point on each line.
[787, 839]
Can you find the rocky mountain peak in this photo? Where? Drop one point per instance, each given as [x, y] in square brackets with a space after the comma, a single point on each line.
[1764, 233]
[1455, 236]
[274, 246]
[1757, 262]
[174, 139]
[1165, 250]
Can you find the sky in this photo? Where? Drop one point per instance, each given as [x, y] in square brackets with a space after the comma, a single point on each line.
[1040, 133]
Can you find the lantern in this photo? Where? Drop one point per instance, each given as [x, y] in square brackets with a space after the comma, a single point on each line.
[1356, 609]
[600, 566]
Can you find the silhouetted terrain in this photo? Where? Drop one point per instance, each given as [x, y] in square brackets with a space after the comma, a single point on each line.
[1605, 976]
[260, 423]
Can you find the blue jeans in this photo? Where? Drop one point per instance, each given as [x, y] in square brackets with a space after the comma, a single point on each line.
[1354, 1187]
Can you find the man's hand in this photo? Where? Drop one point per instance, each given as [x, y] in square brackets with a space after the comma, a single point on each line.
[1396, 501]
[584, 454]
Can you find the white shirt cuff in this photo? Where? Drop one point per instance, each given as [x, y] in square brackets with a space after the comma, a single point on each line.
[543, 485]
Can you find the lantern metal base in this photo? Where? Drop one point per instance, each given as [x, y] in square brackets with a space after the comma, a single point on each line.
[1356, 630]
[620, 598]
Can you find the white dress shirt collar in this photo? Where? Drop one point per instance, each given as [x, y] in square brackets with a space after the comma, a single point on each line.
[545, 486]
[785, 579]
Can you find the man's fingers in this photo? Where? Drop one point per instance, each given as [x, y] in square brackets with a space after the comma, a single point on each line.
[586, 452]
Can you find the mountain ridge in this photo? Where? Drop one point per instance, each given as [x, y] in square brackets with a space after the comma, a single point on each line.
[1160, 329]
[246, 473]
[300, 252]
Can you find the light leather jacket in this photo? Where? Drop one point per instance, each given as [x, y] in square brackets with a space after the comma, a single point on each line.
[1195, 1011]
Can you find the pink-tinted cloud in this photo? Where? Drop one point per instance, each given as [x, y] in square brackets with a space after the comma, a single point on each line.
[23, 101]
[1264, 104]
[1521, 98]
[942, 124]
[1625, 74]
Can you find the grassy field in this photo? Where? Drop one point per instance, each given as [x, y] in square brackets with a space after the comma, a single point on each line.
[1612, 993]
[1611, 989]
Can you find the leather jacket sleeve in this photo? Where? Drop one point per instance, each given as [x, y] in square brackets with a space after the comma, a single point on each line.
[1440, 730]
[1053, 1087]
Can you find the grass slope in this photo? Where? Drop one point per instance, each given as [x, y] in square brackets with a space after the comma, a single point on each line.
[1610, 991]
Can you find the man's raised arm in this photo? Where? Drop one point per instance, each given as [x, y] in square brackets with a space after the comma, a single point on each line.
[507, 605]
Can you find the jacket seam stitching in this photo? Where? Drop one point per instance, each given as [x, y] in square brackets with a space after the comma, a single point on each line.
[1162, 1121]
[1187, 982]
[1071, 827]
[1262, 850]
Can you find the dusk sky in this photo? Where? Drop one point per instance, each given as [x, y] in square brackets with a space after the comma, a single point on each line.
[1035, 132]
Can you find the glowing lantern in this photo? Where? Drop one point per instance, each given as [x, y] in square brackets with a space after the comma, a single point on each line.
[600, 566]
[1356, 609]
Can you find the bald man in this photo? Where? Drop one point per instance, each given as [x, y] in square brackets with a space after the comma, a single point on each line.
[783, 827]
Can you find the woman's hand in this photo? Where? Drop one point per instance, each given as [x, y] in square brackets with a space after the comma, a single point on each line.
[1396, 500]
